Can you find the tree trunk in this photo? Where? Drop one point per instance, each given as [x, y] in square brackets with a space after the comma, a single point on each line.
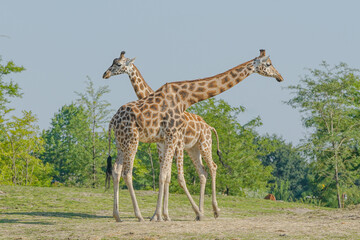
[13, 162]
[14, 171]
[152, 166]
[337, 185]
[335, 147]
[93, 155]
[27, 172]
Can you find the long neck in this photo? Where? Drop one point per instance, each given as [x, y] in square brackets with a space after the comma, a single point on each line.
[141, 88]
[191, 92]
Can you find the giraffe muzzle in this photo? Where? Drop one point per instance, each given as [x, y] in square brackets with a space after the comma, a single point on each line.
[279, 79]
[106, 75]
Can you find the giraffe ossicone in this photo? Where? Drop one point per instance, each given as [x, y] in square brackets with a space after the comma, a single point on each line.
[159, 117]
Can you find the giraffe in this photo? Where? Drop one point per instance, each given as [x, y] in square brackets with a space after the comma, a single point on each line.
[159, 117]
[197, 139]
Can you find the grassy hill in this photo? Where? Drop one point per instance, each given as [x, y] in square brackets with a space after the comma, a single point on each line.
[79, 213]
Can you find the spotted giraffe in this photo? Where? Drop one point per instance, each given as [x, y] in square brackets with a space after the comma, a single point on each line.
[197, 138]
[159, 117]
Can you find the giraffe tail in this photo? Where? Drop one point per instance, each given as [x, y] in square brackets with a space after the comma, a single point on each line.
[218, 146]
[109, 159]
[219, 152]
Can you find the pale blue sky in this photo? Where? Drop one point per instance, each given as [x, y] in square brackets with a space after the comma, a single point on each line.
[62, 42]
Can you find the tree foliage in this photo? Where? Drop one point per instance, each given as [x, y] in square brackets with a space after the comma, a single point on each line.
[329, 100]
[76, 142]
[8, 89]
[20, 150]
[67, 145]
[98, 114]
[20, 143]
[290, 170]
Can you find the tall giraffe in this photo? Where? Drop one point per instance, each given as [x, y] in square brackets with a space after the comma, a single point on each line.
[159, 117]
[197, 139]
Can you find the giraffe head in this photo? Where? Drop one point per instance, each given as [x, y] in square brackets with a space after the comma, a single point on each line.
[119, 66]
[263, 66]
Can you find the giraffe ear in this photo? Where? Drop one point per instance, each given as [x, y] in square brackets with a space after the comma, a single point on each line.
[130, 61]
[256, 62]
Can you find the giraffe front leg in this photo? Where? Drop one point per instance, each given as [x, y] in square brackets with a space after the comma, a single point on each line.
[161, 152]
[166, 198]
[157, 214]
[165, 168]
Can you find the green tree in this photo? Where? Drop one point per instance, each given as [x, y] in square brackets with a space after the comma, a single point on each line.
[67, 144]
[98, 113]
[20, 150]
[290, 169]
[8, 89]
[329, 100]
[20, 144]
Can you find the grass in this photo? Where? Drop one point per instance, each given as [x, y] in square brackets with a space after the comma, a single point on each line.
[79, 213]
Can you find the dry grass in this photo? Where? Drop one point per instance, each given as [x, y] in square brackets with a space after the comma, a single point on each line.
[70, 213]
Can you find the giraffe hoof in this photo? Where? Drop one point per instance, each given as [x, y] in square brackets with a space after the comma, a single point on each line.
[216, 213]
[156, 218]
[141, 220]
[168, 219]
[117, 218]
[199, 218]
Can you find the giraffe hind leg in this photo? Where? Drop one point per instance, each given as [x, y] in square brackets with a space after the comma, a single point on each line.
[194, 154]
[207, 155]
[116, 173]
[182, 182]
[127, 174]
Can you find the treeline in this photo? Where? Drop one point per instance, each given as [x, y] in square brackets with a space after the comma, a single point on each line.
[324, 169]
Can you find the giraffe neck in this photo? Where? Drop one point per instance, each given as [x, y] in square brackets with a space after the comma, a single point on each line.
[141, 88]
[191, 92]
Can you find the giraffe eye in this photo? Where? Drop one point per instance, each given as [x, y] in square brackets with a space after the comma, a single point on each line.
[268, 64]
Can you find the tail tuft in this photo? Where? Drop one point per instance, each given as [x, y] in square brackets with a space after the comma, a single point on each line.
[219, 153]
[108, 172]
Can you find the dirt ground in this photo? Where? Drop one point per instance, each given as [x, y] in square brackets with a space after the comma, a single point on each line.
[296, 223]
[293, 224]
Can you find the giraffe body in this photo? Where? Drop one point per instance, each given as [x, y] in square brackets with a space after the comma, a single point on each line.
[197, 138]
[159, 117]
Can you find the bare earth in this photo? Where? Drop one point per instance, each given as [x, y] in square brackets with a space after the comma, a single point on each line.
[299, 226]
[292, 224]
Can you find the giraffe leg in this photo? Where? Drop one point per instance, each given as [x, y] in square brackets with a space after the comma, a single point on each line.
[182, 182]
[158, 211]
[161, 149]
[206, 153]
[165, 168]
[195, 157]
[127, 175]
[166, 197]
[116, 173]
